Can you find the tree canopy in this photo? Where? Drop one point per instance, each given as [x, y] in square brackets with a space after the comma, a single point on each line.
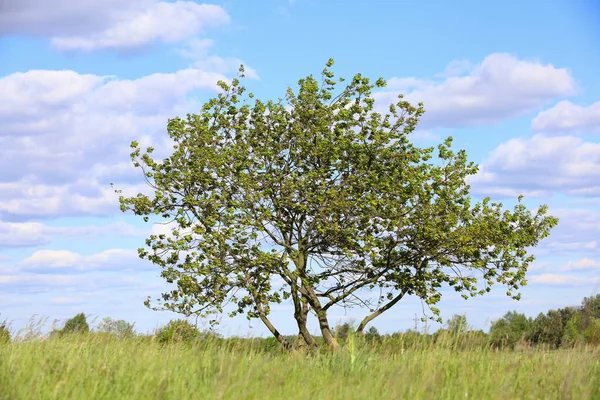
[320, 200]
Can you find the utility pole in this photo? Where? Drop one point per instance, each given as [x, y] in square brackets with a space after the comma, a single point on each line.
[416, 322]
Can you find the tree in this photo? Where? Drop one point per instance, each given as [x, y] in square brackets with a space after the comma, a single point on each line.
[592, 331]
[372, 334]
[77, 324]
[177, 331]
[549, 328]
[510, 329]
[458, 325]
[342, 331]
[572, 334]
[330, 197]
[120, 328]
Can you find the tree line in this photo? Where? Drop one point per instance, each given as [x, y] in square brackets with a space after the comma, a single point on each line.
[561, 328]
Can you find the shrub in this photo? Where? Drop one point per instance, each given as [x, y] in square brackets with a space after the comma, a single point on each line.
[76, 325]
[177, 331]
[4, 333]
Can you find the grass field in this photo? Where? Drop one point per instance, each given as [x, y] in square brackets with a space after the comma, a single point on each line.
[99, 367]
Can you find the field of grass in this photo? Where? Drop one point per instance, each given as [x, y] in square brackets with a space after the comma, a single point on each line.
[101, 367]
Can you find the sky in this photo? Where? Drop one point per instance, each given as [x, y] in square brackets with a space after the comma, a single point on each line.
[515, 83]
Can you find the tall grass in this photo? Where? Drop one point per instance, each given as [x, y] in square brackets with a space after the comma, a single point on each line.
[95, 366]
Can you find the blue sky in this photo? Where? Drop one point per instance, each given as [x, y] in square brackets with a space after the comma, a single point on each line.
[515, 83]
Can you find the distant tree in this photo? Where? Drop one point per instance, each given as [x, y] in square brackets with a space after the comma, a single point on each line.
[591, 306]
[572, 334]
[119, 328]
[457, 324]
[372, 334]
[591, 333]
[341, 331]
[331, 198]
[178, 331]
[77, 324]
[548, 329]
[510, 330]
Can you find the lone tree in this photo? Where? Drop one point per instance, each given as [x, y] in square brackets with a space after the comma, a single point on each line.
[318, 199]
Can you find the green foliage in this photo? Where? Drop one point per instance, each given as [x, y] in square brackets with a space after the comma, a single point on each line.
[510, 330]
[178, 331]
[119, 328]
[549, 328]
[4, 333]
[458, 324]
[572, 335]
[592, 332]
[591, 306]
[76, 325]
[325, 193]
[372, 334]
[342, 331]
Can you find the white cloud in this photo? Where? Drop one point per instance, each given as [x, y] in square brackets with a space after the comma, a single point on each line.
[456, 68]
[25, 283]
[25, 234]
[199, 51]
[555, 246]
[424, 136]
[566, 117]
[67, 300]
[583, 264]
[575, 235]
[109, 24]
[164, 21]
[554, 279]
[67, 262]
[65, 17]
[541, 165]
[21, 200]
[75, 140]
[501, 87]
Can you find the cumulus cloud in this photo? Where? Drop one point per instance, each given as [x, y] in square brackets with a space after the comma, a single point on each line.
[541, 165]
[555, 279]
[28, 234]
[23, 283]
[583, 264]
[64, 17]
[68, 262]
[198, 50]
[500, 87]
[566, 117]
[66, 136]
[165, 22]
[109, 24]
[20, 201]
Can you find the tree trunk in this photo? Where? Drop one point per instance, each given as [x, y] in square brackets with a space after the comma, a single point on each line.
[326, 330]
[313, 300]
[280, 338]
[263, 317]
[301, 315]
[322, 318]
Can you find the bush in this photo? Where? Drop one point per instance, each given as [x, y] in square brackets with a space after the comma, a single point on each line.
[4, 333]
[177, 331]
[77, 324]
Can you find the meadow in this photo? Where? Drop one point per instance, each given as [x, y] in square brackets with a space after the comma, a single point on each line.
[101, 366]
